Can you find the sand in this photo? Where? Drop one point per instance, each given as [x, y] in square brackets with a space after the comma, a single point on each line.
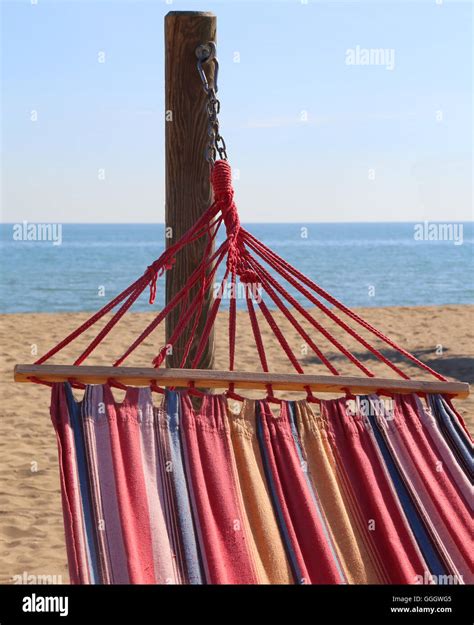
[31, 526]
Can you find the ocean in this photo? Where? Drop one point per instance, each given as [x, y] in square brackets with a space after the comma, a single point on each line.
[363, 264]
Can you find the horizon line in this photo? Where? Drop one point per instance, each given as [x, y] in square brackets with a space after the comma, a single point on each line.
[257, 223]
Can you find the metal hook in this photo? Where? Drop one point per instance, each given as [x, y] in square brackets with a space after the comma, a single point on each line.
[207, 52]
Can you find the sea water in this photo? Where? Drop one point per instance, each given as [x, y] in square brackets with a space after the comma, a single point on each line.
[362, 264]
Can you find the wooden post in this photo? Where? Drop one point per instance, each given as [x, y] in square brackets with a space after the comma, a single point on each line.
[188, 192]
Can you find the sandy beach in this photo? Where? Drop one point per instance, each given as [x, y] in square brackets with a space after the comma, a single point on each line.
[31, 526]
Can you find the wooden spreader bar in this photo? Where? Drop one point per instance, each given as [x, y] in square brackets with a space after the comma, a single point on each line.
[204, 378]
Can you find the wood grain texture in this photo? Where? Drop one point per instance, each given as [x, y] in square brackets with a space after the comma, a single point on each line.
[188, 192]
[138, 376]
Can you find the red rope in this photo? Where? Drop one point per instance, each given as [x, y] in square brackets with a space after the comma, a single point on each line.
[184, 319]
[192, 332]
[109, 325]
[202, 295]
[221, 179]
[149, 277]
[232, 322]
[197, 273]
[232, 332]
[304, 335]
[256, 330]
[210, 321]
[313, 321]
[155, 388]
[192, 390]
[257, 336]
[320, 291]
[334, 317]
[240, 262]
[90, 322]
[197, 316]
[281, 339]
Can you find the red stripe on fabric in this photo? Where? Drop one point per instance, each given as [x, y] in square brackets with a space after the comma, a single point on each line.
[209, 467]
[440, 490]
[441, 445]
[130, 484]
[377, 501]
[96, 423]
[314, 557]
[70, 496]
[355, 511]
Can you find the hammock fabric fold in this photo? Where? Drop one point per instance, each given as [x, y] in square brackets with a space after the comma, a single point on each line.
[360, 491]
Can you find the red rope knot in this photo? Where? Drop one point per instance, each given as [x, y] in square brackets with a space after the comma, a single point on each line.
[248, 276]
[221, 180]
[242, 267]
[159, 359]
[153, 272]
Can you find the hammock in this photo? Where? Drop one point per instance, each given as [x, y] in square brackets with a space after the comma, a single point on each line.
[244, 259]
[164, 495]
[373, 487]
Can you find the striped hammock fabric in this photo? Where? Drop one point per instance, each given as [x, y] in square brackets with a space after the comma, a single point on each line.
[365, 491]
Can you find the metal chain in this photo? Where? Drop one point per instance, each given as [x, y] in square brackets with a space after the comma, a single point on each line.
[216, 145]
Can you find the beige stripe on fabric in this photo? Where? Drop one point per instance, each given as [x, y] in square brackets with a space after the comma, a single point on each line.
[322, 469]
[265, 540]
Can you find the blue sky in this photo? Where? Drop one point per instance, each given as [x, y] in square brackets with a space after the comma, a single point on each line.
[411, 125]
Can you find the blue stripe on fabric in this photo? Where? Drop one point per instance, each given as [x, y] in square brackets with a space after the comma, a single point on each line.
[455, 421]
[312, 490]
[442, 412]
[82, 470]
[445, 419]
[276, 503]
[422, 537]
[183, 504]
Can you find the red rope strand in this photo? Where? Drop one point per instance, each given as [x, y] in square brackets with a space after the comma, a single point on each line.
[334, 317]
[185, 318]
[304, 335]
[210, 321]
[90, 322]
[340, 306]
[281, 339]
[232, 322]
[197, 273]
[197, 316]
[243, 253]
[313, 321]
[256, 330]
